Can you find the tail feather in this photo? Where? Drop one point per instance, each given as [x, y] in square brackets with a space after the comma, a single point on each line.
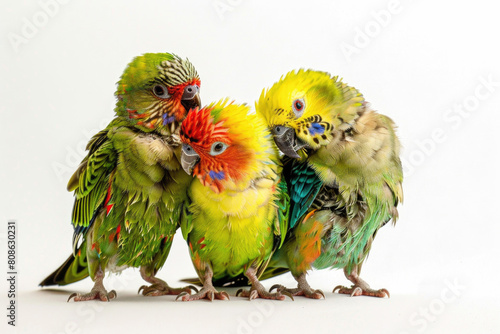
[74, 269]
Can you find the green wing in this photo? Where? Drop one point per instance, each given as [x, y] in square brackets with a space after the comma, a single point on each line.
[186, 219]
[282, 203]
[91, 182]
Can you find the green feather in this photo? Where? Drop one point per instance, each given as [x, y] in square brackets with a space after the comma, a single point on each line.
[129, 188]
[350, 174]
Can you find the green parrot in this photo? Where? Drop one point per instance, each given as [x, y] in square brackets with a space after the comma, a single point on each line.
[130, 187]
[238, 205]
[343, 173]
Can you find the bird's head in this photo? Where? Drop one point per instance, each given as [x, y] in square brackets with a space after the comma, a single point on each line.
[157, 90]
[222, 144]
[304, 108]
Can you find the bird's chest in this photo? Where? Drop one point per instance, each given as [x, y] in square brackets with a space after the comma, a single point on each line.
[233, 244]
[231, 239]
[147, 161]
[145, 198]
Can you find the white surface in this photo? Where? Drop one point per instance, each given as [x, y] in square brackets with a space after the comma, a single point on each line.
[57, 90]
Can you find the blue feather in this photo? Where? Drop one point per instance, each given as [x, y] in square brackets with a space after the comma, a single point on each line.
[316, 128]
[168, 119]
[217, 175]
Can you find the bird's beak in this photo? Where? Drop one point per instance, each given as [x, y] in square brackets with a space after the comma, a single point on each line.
[191, 97]
[287, 142]
[188, 162]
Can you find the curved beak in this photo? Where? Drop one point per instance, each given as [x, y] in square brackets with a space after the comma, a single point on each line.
[287, 142]
[191, 97]
[189, 159]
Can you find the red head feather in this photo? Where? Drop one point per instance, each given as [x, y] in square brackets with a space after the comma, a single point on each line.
[201, 129]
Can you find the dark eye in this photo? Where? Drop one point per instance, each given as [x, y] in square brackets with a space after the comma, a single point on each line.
[217, 148]
[278, 130]
[161, 91]
[188, 150]
[298, 106]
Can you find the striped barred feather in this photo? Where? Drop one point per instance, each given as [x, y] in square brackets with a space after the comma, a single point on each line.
[177, 71]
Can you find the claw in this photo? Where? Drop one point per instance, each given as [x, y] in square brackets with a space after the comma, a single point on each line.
[286, 293]
[253, 295]
[161, 288]
[338, 287]
[225, 294]
[320, 292]
[356, 292]
[360, 287]
[182, 294]
[73, 295]
[111, 295]
[192, 287]
[206, 293]
[276, 286]
[93, 295]
[238, 292]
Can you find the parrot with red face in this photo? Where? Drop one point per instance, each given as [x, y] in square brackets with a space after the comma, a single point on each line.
[237, 211]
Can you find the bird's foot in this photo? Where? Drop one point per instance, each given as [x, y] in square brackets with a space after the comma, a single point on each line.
[162, 289]
[255, 293]
[357, 290]
[96, 293]
[205, 293]
[306, 292]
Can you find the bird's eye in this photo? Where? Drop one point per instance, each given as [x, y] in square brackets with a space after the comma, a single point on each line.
[298, 107]
[217, 148]
[161, 91]
[278, 130]
[188, 150]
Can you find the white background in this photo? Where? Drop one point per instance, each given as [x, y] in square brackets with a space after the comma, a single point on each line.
[420, 64]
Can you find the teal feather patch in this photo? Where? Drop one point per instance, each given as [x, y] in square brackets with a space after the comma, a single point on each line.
[303, 186]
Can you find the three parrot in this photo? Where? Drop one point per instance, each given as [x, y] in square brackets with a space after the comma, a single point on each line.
[130, 187]
[238, 204]
[216, 172]
[344, 176]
